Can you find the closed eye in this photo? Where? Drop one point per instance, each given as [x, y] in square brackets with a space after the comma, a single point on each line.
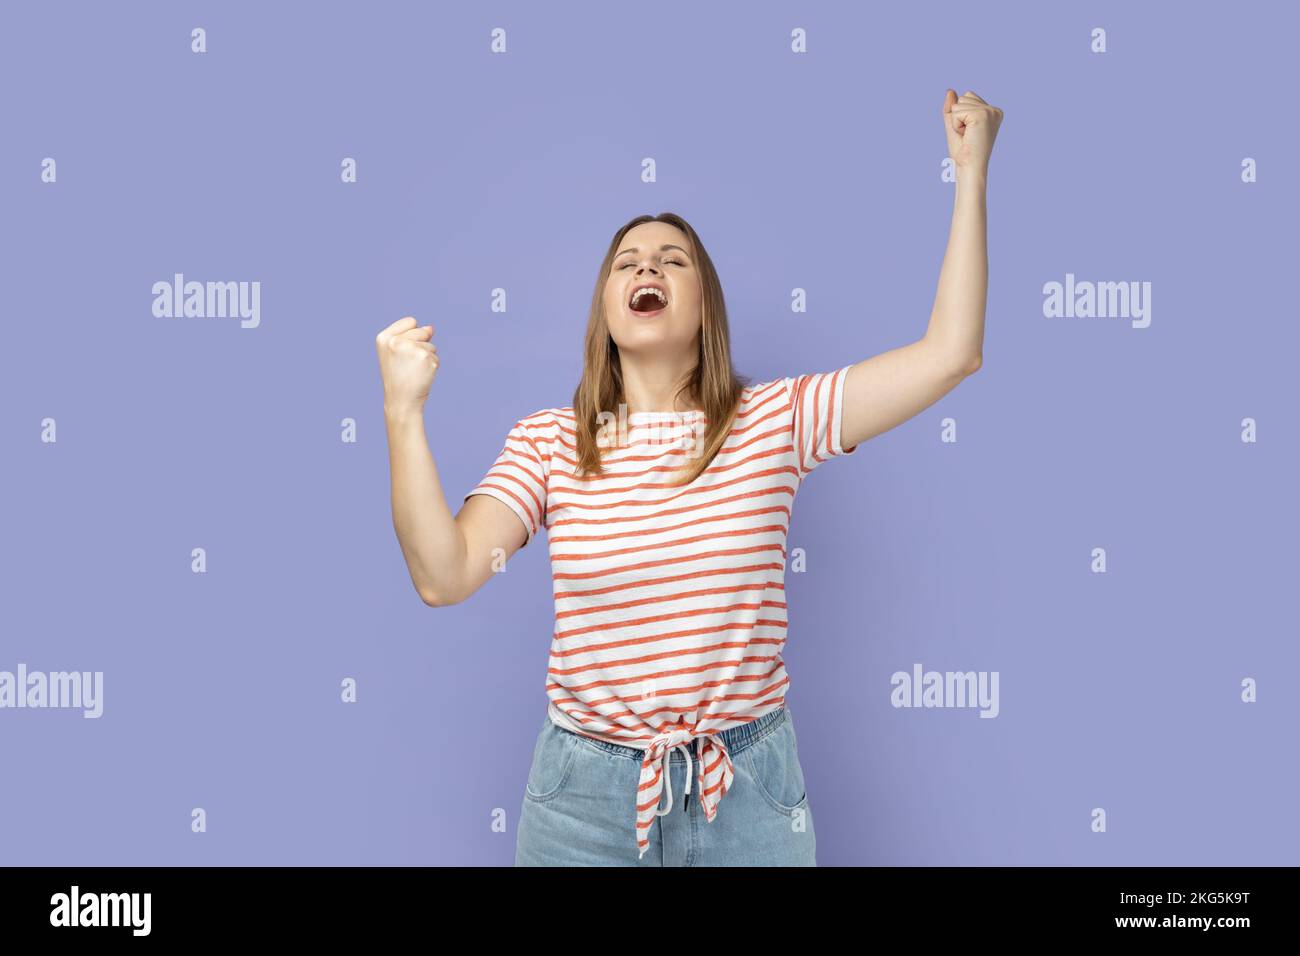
[675, 262]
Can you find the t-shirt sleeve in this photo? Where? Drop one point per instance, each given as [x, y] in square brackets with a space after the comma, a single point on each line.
[518, 479]
[817, 413]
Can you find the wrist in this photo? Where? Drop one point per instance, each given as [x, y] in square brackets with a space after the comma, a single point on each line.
[400, 413]
[972, 177]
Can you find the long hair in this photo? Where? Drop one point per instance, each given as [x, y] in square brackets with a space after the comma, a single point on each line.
[713, 381]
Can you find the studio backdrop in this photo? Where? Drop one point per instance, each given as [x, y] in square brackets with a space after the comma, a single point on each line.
[1097, 530]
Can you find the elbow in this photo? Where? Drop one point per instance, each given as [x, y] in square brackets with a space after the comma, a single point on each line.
[434, 599]
[955, 362]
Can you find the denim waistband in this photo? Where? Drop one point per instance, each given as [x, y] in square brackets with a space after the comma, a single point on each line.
[735, 739]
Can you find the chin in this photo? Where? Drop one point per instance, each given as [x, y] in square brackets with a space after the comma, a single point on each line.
[645, 337]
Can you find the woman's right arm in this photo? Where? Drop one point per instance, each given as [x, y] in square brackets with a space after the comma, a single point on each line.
[449, 557]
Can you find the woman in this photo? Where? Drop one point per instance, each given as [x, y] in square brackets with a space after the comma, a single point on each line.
[665, 490]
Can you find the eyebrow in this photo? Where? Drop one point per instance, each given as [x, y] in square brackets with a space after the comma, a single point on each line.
[663, 248]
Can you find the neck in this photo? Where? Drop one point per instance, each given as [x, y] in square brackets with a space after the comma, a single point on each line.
[651, 384]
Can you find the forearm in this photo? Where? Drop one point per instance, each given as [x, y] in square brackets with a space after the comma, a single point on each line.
[957, 322]
[431, 541]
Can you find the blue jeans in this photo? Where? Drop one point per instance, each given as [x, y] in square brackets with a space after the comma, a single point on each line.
[580, 804]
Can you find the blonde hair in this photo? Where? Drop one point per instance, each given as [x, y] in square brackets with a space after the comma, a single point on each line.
[713, 382]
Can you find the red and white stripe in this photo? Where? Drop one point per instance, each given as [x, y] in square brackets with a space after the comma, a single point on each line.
[670, 611]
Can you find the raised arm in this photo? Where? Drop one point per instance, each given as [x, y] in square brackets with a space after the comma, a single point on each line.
[892, 387]
[449, 558]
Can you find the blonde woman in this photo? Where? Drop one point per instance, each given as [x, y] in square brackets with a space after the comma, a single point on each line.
[666, 490]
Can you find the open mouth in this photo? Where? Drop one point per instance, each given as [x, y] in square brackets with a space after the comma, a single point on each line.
[648, 299]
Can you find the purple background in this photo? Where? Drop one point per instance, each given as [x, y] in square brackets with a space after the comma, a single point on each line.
[476, 171]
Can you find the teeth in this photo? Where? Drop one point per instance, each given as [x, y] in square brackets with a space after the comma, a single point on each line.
[648, 290]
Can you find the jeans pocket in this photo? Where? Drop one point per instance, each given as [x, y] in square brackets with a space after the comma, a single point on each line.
[553, 757]
[774, 765]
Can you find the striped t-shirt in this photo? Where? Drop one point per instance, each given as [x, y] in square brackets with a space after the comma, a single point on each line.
[670, 609]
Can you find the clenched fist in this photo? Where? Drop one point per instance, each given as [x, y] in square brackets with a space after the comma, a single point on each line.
[408, 362]
[971, 125]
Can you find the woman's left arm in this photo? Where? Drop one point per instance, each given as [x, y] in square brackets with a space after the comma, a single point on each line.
[890, 388]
